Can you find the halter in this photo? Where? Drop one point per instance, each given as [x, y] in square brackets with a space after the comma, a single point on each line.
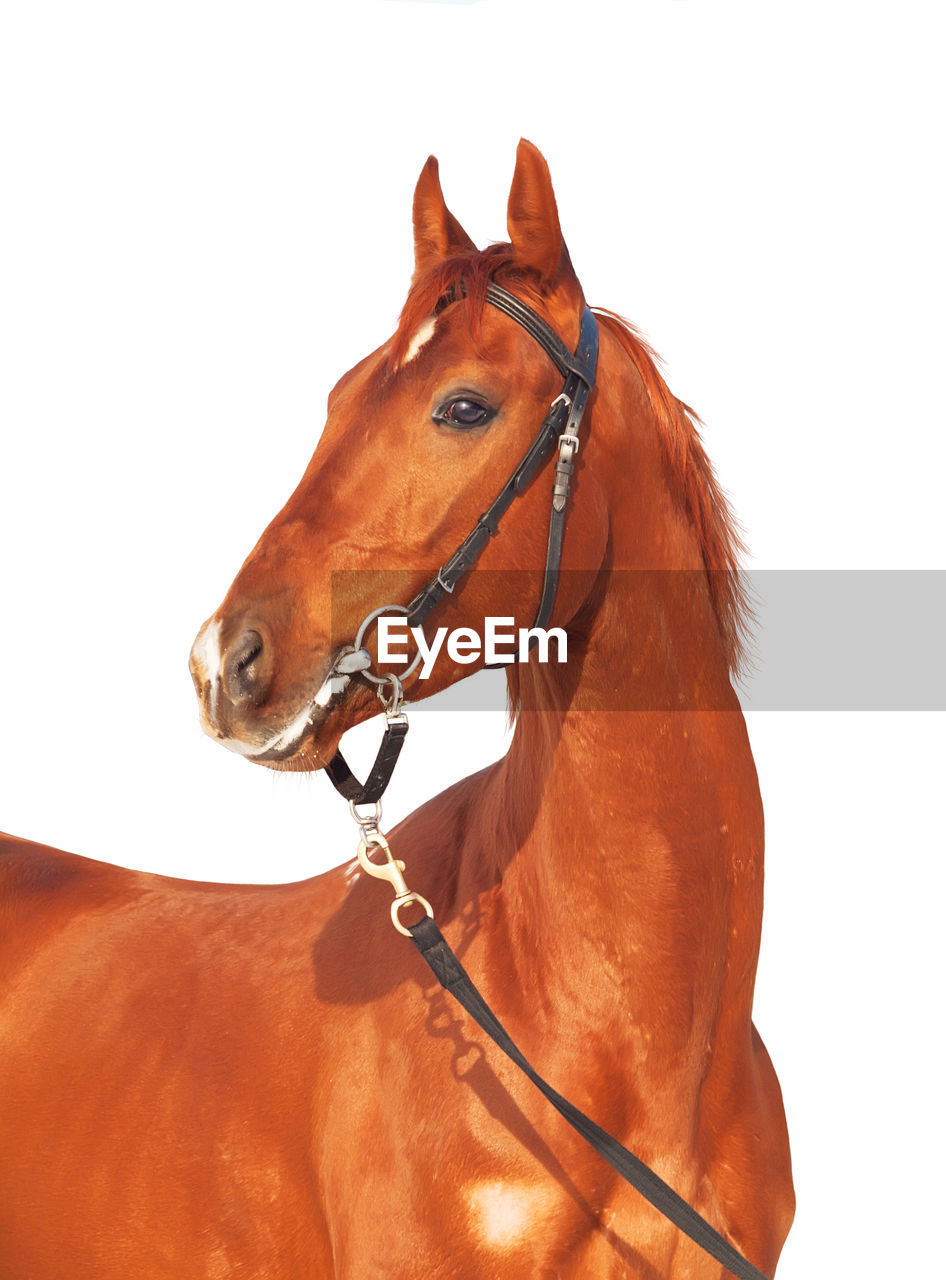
[561, 423]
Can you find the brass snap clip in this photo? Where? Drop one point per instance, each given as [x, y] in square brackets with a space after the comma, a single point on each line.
[392, 870]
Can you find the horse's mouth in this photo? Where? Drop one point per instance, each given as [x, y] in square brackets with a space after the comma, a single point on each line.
[295, 744]
[288, 740]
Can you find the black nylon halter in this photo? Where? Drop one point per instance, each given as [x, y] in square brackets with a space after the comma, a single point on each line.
[561, 424]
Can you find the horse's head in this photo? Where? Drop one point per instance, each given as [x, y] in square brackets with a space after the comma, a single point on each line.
[420, 437]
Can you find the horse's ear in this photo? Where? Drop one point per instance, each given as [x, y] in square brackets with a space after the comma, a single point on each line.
[437, 234]
[532, 216]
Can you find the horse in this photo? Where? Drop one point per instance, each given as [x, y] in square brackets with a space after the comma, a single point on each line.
[203, 1081]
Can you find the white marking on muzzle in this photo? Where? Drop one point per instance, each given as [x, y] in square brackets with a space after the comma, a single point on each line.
[290, 734]
[207, 654]
[206, 650]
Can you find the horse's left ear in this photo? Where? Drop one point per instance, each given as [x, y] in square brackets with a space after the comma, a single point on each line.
[437, 234]
[532, 216]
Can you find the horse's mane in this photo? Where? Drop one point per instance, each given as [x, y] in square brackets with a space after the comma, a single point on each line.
[694, 481]
[464, 280]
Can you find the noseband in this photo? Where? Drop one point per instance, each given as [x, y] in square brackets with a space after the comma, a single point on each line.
[561, 424]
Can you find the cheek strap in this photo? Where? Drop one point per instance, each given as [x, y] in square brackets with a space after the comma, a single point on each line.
[561, 424]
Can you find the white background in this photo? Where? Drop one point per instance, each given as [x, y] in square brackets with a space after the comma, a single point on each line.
[205, 220]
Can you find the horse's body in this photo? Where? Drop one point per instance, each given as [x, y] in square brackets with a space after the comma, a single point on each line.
[211, 1081]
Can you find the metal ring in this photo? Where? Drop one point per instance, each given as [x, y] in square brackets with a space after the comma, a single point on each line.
[393, 704]
[400, 902]
[359, 644]
[368, 822]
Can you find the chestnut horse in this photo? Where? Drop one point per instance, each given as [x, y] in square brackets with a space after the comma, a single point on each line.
[207, 1081]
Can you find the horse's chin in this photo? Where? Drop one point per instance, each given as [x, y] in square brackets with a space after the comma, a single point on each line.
[308, 759]
[310, 738]
[309, 753]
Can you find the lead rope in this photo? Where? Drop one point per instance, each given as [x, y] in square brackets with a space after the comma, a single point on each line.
[451, 975]
[561, 423]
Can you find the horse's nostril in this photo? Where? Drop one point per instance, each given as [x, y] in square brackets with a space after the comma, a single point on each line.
[243, 674]
[247, 658]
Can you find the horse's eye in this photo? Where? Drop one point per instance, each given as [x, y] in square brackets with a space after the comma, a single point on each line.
[464, 413]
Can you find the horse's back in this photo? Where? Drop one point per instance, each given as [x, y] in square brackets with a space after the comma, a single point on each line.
[32, 873]
[42, 889]
[157, 1043]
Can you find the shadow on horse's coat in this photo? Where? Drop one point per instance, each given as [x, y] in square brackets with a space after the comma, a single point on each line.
[212, 1080]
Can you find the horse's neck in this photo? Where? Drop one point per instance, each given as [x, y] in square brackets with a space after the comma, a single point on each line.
[631, 849]
[627, 809]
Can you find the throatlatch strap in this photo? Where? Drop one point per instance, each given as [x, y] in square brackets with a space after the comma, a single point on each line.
[375, 785]
[451, 975]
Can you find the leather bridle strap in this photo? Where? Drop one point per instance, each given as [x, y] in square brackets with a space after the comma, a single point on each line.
[577, 392]
[451, 975]
[561, 423]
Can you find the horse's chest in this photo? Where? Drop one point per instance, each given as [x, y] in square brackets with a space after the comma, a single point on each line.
[488, 1228]
[459, 1189]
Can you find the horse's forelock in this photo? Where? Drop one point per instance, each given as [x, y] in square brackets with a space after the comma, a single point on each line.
[462, 280]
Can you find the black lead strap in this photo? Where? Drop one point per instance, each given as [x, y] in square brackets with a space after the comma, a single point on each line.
[451, 975]
[375, 785]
